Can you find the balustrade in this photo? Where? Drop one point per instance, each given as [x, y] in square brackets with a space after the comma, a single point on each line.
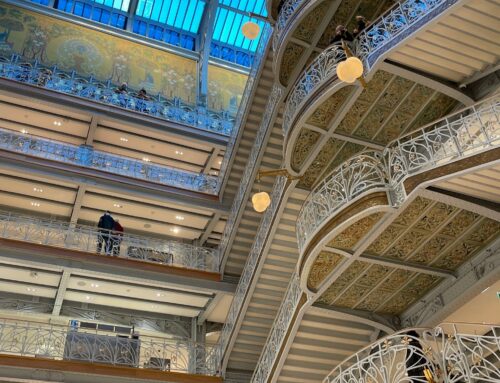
[381, 35]
[457, 136]
[90, 239]
[449, 353]
[86, 156]
[30, 339]
[175, 110]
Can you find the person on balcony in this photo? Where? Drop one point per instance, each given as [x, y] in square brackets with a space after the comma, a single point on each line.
[341, 33]
[361, 24]
[105, 225]
[417, 365]
[117, 237]
[122, 89]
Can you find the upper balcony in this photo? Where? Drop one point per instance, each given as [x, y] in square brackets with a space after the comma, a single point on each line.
[325, 118]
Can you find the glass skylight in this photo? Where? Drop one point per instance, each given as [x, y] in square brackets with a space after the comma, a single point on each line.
[185, 15]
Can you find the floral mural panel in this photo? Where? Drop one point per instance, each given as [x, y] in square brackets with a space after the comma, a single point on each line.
[89, 52]
[225, 89]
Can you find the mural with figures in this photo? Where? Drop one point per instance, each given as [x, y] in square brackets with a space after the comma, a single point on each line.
[88, 52]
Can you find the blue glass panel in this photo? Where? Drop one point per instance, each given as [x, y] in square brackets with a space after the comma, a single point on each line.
[42, 2]
[182, 14]
[140, 27]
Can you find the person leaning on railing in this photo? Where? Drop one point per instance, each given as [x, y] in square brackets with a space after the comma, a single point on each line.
[105, 225]
[116, 238]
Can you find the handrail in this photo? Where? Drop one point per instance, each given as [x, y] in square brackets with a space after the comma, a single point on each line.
[368, 46]
[456, 136]
[288, 10]
[451, 352]
[105, 242]
[34, 73]
[73, 343]
[87, 156]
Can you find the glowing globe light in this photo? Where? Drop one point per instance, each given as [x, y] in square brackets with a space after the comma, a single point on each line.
[250, 30]
[350, 70]
[261, 201]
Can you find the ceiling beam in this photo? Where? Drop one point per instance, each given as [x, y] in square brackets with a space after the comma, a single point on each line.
[61, 292]
[210, 161]
[209, 228]
[92, 129]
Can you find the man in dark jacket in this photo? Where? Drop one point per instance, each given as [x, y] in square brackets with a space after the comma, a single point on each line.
[105, 225]
[117, 238]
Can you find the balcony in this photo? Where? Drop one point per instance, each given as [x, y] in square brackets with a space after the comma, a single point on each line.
[87, 157]
[460, 135]
[175, 110]
[89, 239]
[319, 79]
[53, 344]
[448, 353]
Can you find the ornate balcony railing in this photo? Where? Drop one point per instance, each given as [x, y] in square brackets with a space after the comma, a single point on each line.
[287, 11]
[91, 239]
[175, 110]
[278, 332]
[393, 26]
[71, 343]
[250, 265]
[86, 156]
[450, 353]
[457, 136]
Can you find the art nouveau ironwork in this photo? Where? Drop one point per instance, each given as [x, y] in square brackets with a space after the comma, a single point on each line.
[457, 136]
[251, 264]
[287, 11]
[89, 157]
[279, 330]
[90, 239]
[32, 339]
[175, 110]
[382, 34]
[448, 353]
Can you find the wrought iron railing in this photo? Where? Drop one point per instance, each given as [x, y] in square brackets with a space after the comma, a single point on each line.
[394, 25]
[84, 155]
[449, 353]
[176, 110]
[457, 136]
[287, 11]
[277, 336]
[105, 242]
[251, 264]
[38, 340]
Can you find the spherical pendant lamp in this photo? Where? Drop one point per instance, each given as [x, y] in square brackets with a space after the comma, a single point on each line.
[250, 30]
[350, 70]
[261, 201]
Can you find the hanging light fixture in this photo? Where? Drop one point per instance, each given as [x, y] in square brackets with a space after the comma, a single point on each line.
[261, 201]
[350, 69]
[250, 30]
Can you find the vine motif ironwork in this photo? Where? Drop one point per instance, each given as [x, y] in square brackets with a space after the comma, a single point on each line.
[32, 72]
[278, 332]
[457, 136]
[87, 156]
[68, 343]
[90, 239]
[251, 264]
[449, 353]
[288, 10]
[395, 24]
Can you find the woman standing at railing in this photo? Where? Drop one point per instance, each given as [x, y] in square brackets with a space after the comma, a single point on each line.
[117, 237]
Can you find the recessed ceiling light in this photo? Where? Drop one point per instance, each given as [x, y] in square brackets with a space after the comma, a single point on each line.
[179, 217]
[87, 297]
[57, 123]
[214, 173]
[124, 139]
[159, 294]
[35, 204]
[117, 205]
[38, 190]
[175, 230]
[31, 289]
[94, 285]
[220, 162]
[24, 131]
[154, 306]
[179, 152]
[146, 159]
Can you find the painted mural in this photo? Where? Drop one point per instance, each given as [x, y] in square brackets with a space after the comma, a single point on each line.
[89, 52]
[225, 88]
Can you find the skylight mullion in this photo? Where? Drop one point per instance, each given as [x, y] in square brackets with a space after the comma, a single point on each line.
[172, 13]
[189, 18]
[235, 28]
[156, 10]
[165, 9]
[219, 23]
[140, 8]
[240, 39]
[200, 9]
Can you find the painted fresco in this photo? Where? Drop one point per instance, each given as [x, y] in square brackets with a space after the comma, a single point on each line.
[89, 52]
[225, 88]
